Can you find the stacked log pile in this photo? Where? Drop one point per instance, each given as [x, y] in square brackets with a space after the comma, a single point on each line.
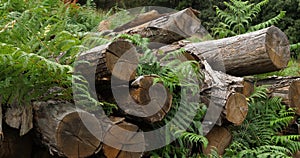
[58, 124]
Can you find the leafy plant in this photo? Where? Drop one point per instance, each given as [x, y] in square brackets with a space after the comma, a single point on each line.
[238, 16]
[40, 40]
[259, 135]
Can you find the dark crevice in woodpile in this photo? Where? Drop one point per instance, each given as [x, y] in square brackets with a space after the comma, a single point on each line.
[13, 145]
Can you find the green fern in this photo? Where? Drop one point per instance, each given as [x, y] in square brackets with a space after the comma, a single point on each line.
[259, 135]
[238, 17]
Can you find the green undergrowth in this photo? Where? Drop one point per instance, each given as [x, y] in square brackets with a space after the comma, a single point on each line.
[39, 42]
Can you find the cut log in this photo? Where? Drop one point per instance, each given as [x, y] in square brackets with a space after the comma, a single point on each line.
[14, 145]
[140, 19]
[66, 130]
[123, 144]
[219, 139]
[252, 53]
[102, 61]
[288, 88]
[169, 28]
[222, 93]
[153, 100]
[142, 101]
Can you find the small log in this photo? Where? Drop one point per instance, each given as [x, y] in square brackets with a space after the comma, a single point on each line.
[102, 61]
[288, 88]
[66, 130]
[123, 144]
[168, 28]
[154, 100]
[252, 53]
[219, 138]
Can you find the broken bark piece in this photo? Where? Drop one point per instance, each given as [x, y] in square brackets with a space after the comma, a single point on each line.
[19, 117]
[123, 140]
[66, 130]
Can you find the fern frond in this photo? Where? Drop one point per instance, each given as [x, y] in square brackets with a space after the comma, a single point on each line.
[269, 22]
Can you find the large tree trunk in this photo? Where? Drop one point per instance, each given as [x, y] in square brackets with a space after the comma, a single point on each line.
[252, 53]
[66, 130]
[288, 88]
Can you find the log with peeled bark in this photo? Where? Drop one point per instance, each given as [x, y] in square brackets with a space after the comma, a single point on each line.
[252, 53]
[169, 28]
[222, 94]
[287, 88]
[118, 59]
[123, 144]
[219, 139]
[67, 130]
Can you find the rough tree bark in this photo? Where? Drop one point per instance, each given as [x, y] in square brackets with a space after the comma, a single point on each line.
[66, 130]
[140, 19]
[252, 53]
[169, 28]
